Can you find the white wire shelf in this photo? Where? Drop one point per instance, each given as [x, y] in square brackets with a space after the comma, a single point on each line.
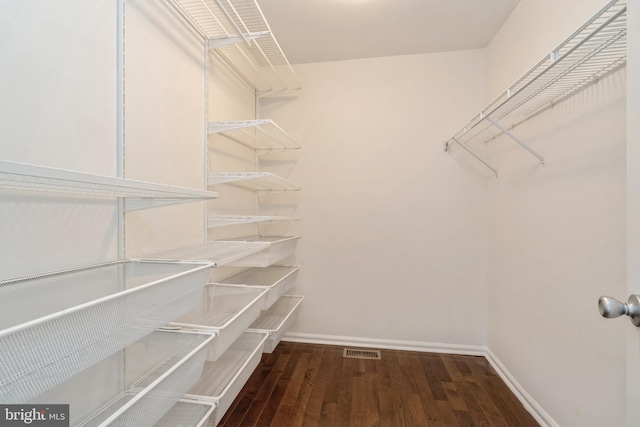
[226, 309]
[217, 252]
[238, 30]
[138, 194]
[225, 220]
[277, 320]
[55, 325]
[149, 377]
[255, 181]
[281, 248]
[222, 380]
[278, 279]
[262, 135]
[188, 412]
[594, 51]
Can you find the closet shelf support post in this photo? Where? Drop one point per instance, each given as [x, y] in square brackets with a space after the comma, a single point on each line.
[468, 150]
[516, 139]
[216, 42]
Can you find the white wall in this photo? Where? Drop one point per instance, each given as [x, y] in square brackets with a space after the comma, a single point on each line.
[394, 242]
[557, 233]
[171, 85]
[164, 122]
[230, 98]
[58, 108]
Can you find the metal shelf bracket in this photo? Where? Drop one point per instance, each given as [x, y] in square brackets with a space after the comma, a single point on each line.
[516, 139]
[217, 42]
[468, 150]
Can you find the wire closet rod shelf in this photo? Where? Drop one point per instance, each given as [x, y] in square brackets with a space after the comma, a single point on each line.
[594, 51]
[239, 32]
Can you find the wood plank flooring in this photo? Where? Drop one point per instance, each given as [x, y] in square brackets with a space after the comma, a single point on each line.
[313, 385]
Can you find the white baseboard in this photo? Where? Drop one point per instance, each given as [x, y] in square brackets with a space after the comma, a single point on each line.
[428, 347]
[471, 350]
[529, 403]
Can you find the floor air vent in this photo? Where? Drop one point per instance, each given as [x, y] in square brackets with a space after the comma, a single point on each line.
[355, 353]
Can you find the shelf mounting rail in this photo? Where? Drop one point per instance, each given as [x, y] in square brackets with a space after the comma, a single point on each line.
[594, 51]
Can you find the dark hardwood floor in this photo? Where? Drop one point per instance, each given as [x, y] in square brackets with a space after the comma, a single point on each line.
[313, 385]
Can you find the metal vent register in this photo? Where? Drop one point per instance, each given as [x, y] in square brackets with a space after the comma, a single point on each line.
[354, 353]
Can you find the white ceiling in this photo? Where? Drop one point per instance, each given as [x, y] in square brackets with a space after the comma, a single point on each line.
[330, 30]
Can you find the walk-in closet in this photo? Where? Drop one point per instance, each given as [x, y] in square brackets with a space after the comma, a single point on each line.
[323, 212]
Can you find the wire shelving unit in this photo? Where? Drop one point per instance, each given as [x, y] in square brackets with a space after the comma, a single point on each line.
[222, 380]
[594, 51]
[225, 220]
[255, 181]
[238, 31]
[278, 279]
[277, 320]
[188, 412]
[161, 367]
[64, 331]
[261, 135]
[138, 194]
[218, 252]
[226, 309]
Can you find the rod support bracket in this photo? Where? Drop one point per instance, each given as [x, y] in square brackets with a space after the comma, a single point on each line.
[515, 138]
